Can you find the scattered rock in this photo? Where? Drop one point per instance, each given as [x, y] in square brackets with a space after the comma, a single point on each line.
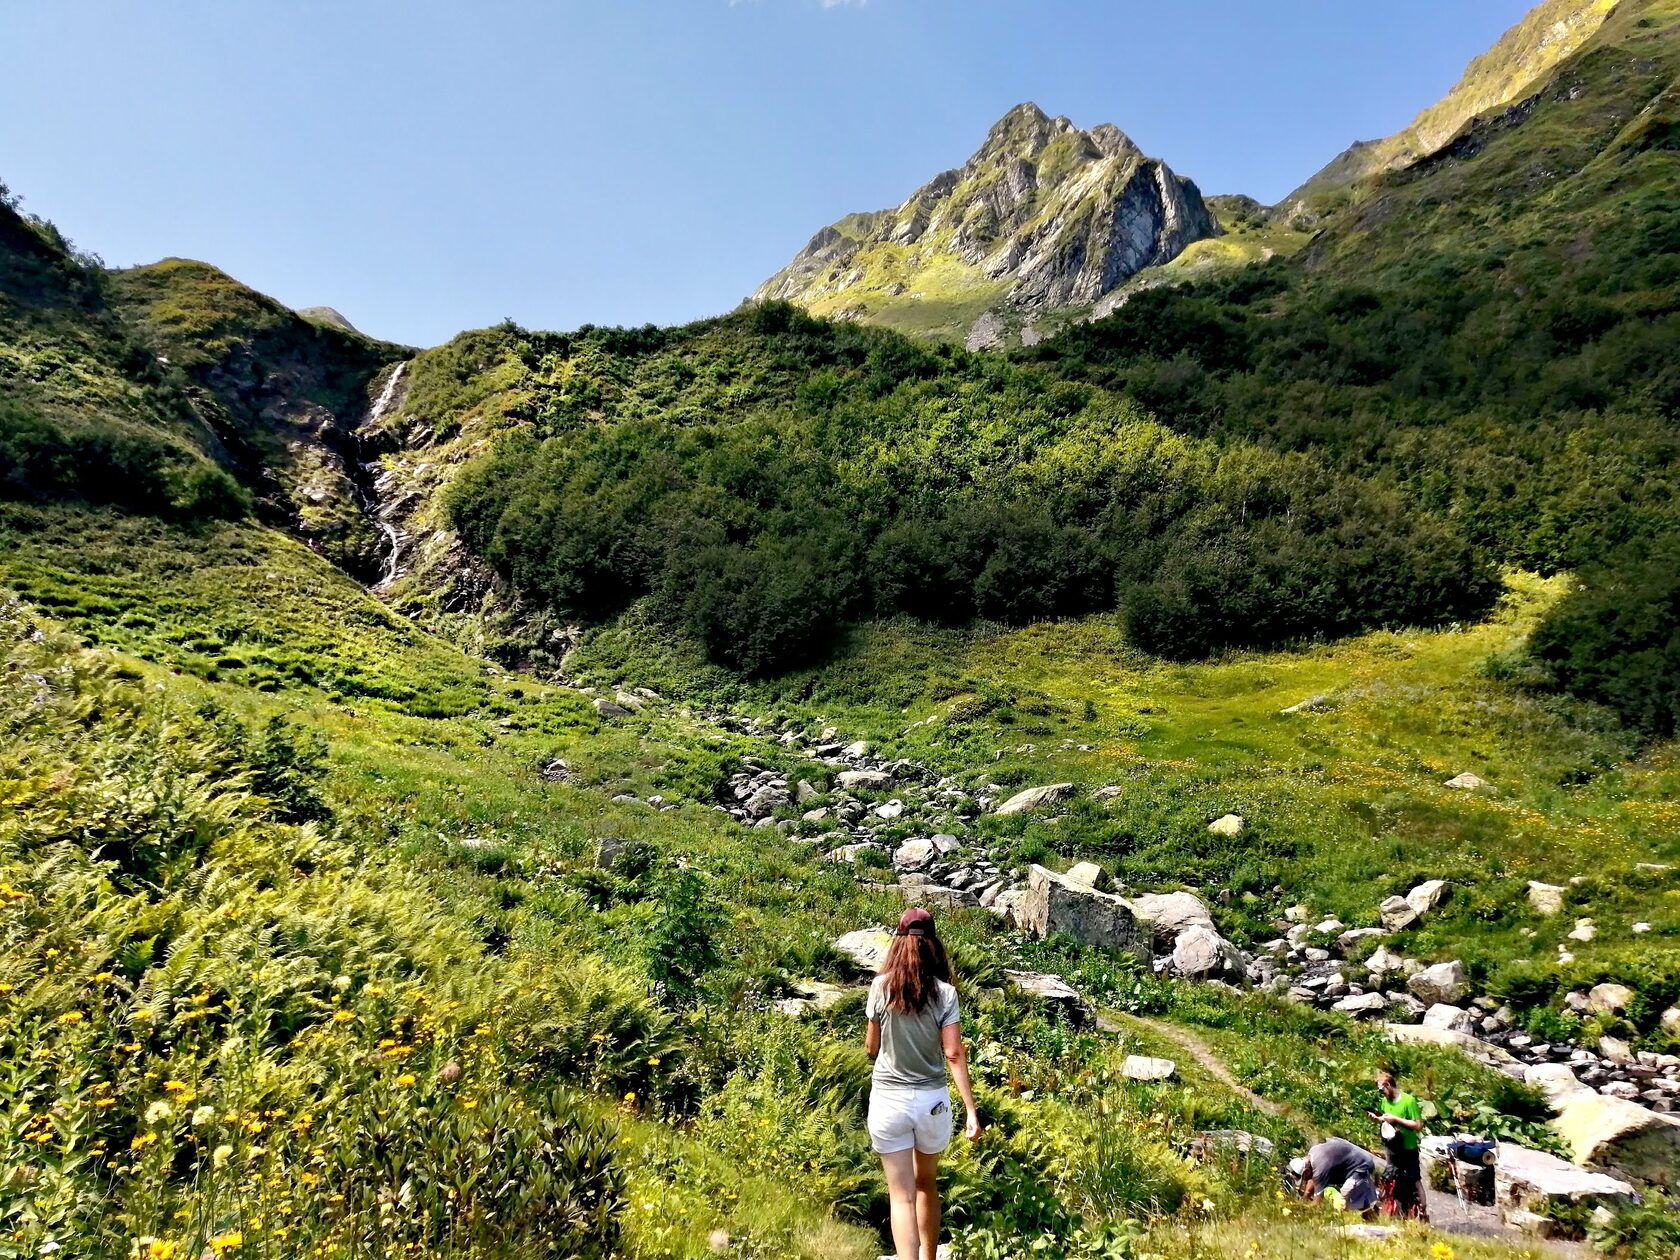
[1443, 982]
[1427, 896]
[1362, 1005]
[1545, 898]
[867, 780]
[1139, 1067]
[913, 855]
[1353, 938]
[1106, 793]
[607, 709]
[1610, 999]
[1466, 782]
[1453, 1018]
[1312, 704]
[1200, 953]
[890, 810]
[1087, 873]
[1228, 825]
[1584, 930]
[1168, 914]
[814, 996]
[556, 771]
[1036, 798]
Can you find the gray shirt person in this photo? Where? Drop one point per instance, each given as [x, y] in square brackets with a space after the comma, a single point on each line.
[912, 1051]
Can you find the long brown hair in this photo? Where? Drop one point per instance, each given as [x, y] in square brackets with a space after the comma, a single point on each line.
[914, 962]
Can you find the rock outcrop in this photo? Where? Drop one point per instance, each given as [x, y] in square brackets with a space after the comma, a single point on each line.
[1043, 216]
[1054, 903]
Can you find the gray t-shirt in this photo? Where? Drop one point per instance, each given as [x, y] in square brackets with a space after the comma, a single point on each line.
[912, 1052]
[1334, 1160]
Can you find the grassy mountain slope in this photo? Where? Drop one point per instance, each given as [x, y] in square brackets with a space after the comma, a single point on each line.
[1489, 329]
[496, 950]
[286, 392]
[1523, 57]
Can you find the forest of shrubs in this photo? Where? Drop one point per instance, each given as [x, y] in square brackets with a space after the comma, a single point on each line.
[858, 475]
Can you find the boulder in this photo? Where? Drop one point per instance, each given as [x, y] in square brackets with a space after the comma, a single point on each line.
[1312, 704]
[1445, 1015]
[1106, 793]
[1051, 990]
[1362, 1005]
[913, 855]
[852, 852]
[1545, 898]
[936, 895]
[1397, 914]
[867, 947]
[1140, 1067]
[1036, 798]
[1168, 914]
[1483, 1052]
[1008, 906]
[1443, 982]
[1620, 1137]
[1087, 873]
[1053, 903]
[1200, 953]
[1384, 961]
[1466, 782]
[556, 771]
[1557, 1081]
[1228, 825]
[813, 996]
[1525, 1180]
[1671, 1021]
[1353, 938]
[607, 709]
[890, 810]
[806, 792]
[1427, 895]
[1610, 999]
[868, 780]
[815, 815]
[1403, 1008]
[1584, 930]
[851, 752]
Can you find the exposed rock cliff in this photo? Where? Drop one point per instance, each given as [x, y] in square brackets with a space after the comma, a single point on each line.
[1043, 216]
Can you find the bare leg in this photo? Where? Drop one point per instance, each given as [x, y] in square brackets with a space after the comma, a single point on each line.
[900, 1168]
[927, 1203]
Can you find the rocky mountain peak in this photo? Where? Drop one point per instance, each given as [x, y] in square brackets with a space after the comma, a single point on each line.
[1042, 215]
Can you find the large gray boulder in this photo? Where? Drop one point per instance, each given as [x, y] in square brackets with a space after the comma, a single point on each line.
[1036, 798]
[1397, 914]
[913, 855]
[1443, 982]
[1529, 1180]
[1446, 1015]
[1620, 1137]
[1054, 903]
[1610, 999]
[1200, 953]
[1142, 1067]
[1168, 914]
[1051, 991]
[1228, 825]
[1362, 1005]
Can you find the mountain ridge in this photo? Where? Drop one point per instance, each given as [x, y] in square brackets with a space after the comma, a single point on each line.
[1043, 215]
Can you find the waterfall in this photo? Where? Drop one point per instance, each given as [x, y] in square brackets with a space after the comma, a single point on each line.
[370, 481]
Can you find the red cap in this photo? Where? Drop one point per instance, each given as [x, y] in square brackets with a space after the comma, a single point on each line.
[915, 922]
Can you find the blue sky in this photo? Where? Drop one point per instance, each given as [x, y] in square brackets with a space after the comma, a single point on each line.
[426, 166]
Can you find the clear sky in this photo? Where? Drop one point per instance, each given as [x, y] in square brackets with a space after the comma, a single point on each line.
[427, 166]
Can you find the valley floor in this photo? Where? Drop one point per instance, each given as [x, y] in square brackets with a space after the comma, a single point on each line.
[499, 790]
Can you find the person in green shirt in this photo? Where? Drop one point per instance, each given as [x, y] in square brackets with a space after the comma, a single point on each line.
[1401, 1121]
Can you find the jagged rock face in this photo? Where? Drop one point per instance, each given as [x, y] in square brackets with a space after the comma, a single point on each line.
[1044, 215]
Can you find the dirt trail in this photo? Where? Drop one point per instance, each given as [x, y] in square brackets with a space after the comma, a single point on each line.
[1210, 1062]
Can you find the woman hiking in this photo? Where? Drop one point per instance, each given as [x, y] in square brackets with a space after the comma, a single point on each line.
[914, 1030]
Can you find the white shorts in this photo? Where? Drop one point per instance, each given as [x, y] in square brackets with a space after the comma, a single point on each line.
[900, 1119]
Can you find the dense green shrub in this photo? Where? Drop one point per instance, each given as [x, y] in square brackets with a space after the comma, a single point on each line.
[1615, 639]
[769, 477]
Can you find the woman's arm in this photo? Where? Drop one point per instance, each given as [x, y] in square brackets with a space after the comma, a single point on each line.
[956, 1054]
[872, 1039]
